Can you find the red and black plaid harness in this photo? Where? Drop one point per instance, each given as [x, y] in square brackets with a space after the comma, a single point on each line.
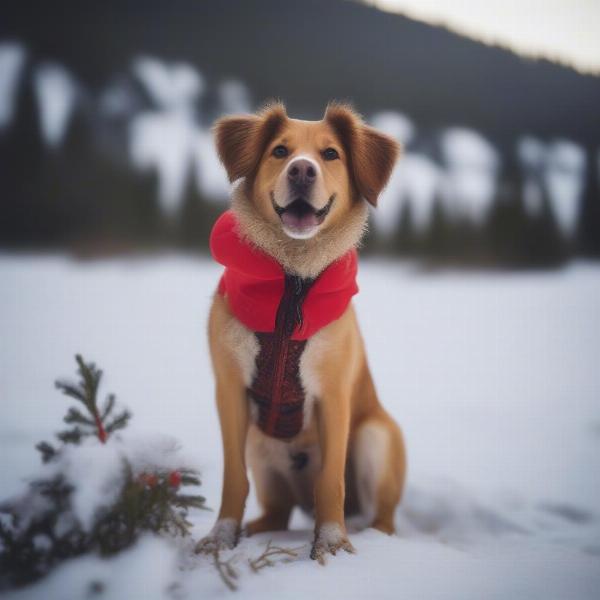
[283, 311]
[277, 389]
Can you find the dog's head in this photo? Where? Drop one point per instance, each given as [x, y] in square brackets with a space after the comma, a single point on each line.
[304, 176]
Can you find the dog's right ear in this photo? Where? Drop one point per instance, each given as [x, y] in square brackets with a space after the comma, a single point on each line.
[242, 139]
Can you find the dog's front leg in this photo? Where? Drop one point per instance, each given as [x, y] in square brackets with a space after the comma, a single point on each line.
[232, 405]
[334, 428]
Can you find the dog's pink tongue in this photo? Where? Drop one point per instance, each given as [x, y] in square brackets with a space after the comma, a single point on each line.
[293, 221]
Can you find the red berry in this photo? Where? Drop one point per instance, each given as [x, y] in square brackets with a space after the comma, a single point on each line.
[175, 479]
[148, 479]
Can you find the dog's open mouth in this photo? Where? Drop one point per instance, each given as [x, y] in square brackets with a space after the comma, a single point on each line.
[300, 215]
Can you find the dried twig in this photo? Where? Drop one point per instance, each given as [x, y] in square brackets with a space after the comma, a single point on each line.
[225, 570]
[265, 559]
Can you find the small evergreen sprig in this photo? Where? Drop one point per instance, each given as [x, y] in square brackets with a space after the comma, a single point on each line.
[40, 529]
[147, 502]
[150, 501]
[98, 422]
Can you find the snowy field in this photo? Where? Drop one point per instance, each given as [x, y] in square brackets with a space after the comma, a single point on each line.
[495, 379]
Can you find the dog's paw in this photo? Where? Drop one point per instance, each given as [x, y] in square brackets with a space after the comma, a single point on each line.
[223, 536]
[329, 539]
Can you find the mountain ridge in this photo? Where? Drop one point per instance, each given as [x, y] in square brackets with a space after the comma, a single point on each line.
[310, 52]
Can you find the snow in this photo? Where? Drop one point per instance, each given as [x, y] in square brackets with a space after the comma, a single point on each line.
[56, 95]
[172, 144]
[414, 181]
[395, 124]
[164, 141]
[470, 178]
[171, 86]
[466, 183]
[564, 180]
[96, 473]
[12, 61]
[171, 141]
[493, 377]
[211, 177]
[557, 167]
[119, 99]
[234, 97]
[531, 152]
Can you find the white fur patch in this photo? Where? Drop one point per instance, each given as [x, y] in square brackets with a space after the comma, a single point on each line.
[369, 452]
[267, 455]
[314, 354]
[245, 347]
[270, 452]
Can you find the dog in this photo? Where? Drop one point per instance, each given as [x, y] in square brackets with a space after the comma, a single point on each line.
[294, 393]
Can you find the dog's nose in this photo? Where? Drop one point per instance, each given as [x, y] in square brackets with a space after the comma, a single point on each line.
[301, 173]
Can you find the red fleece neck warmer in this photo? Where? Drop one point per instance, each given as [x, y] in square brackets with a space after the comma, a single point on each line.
[254, 283]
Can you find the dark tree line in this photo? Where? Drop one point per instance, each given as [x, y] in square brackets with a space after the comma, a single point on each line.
[78, 196]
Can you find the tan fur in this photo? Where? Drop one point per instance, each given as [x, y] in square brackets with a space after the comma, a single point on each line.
[347, 427]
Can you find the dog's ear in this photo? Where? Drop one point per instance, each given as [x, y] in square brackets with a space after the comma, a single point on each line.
[372, 154]
[241, 139]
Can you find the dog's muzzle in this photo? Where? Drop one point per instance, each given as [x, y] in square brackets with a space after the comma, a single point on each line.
[301, 215]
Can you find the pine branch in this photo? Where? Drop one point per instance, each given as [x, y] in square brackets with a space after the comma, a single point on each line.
[91, 377]
[109, 405]
[70, 389]
[86, 392]
[71, 436]
[119, 422]
[189, 501]
[190, 480]
[75, 416]
[47, 451]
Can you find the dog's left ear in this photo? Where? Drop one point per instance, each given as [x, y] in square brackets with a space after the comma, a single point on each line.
[372, 154]
[242, 139]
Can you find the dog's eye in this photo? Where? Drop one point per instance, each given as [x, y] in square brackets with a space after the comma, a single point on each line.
[280, 151]
[330, 154]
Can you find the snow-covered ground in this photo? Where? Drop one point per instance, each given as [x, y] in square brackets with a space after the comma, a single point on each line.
[495, 379]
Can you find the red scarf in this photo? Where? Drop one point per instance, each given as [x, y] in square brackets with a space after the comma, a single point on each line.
[253, 282]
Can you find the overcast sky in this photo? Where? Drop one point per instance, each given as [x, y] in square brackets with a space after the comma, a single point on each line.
[564, 30]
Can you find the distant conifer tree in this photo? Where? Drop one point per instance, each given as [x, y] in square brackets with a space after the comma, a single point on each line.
[197, 217]
[589, 222]
[437, 241]
[407, 242]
